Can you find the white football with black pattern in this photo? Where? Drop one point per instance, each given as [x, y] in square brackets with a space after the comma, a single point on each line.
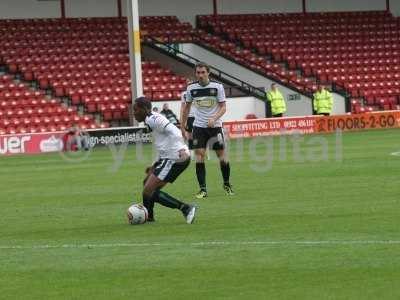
[137, 214]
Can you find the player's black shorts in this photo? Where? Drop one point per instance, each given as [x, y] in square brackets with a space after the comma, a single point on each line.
[189, 124]
[168, 170]
[214, 137]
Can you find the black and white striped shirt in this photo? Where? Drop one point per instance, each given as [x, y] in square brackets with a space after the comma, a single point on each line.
[205, 99]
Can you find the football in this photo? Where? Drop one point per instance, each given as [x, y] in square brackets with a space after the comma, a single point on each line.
[137, 214]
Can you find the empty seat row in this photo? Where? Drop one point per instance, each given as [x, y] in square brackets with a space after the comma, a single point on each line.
[21, 108]
[319, 44]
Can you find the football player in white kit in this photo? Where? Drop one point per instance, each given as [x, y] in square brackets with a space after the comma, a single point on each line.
[189, 123]
[208, 97]
[173, 159]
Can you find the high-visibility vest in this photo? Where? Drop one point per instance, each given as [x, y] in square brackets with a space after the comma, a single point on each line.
[278, 105]
[323, 101]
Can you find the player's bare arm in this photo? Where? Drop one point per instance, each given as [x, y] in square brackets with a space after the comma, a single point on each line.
[218, 115]
[185, 109]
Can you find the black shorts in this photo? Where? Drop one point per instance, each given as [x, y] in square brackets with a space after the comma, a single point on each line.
[214, 137]
[168, 170]
[189, 124]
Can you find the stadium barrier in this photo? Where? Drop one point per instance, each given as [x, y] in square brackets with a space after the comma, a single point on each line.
[312, 124]
[35, 143]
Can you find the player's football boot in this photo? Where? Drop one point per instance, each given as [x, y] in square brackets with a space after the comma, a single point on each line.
[201, 194]
[189, 213]
[228, 190]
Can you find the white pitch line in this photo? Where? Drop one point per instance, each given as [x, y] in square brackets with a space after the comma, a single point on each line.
[395, 153]
[205, 243]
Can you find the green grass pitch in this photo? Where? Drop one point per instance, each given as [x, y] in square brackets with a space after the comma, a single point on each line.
[311, 227]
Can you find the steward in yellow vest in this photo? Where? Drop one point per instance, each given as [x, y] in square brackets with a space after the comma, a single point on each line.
[278, 105]
[323, 101]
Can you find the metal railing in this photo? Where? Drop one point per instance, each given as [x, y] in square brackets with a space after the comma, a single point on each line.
[230, 91]
[234, 81]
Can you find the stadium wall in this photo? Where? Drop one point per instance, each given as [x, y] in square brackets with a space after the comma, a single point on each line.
[91, 8]
[297, 104]
[395, 8]
[21, 9]
[345, 5]
[256, 6]
[237, 108]
[185, 10]
[34, 143]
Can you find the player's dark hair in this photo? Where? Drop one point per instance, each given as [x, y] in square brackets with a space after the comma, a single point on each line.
[202, 65]
[143, 102]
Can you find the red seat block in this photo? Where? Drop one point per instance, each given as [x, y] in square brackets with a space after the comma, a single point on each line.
[59, 92]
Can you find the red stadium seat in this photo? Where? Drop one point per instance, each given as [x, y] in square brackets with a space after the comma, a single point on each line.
[325, 45]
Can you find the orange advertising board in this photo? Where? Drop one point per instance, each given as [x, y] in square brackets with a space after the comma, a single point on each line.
[312, 124]
[376, 120]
